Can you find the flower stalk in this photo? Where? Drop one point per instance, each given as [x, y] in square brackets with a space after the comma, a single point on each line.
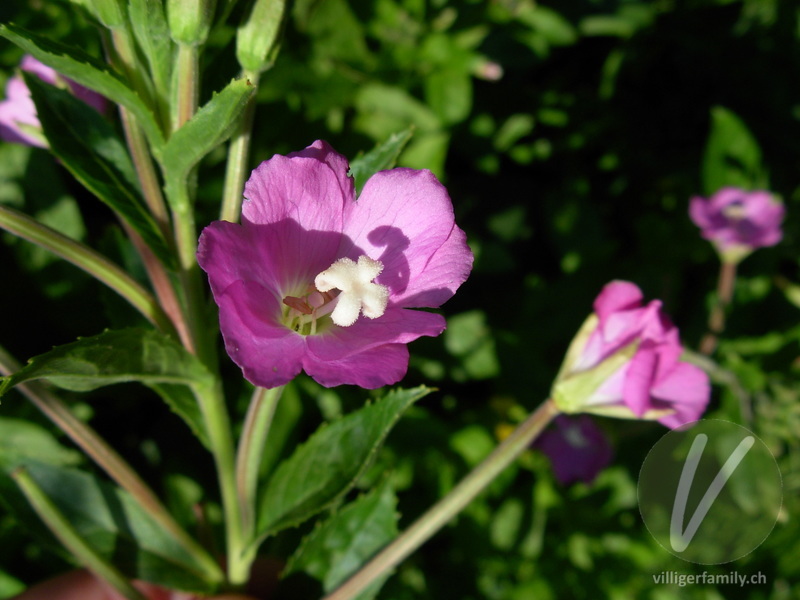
[459, 497]
[716, 320]
[251, 448]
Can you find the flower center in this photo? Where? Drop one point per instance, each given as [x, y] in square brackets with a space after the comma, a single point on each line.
[358, 294]
[735, 211]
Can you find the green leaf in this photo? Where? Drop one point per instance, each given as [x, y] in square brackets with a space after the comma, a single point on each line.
[338, 547]
[149, 24]
[449, 93]
[90, 148]
[207, 129]
[21, 440]
[110, 521]
[325, 467]
[732, 156]
[119, 356]
[381, 157]
[89, 72]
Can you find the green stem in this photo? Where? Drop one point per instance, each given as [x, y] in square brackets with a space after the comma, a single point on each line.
[716, 320]
[107, 459]
[188, 84]
[251, 449]
[217, 422]
[459, 497]
[70, 538]
[238, 156]
[83, 257]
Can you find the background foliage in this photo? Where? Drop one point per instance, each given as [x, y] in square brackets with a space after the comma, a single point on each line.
[571, 136]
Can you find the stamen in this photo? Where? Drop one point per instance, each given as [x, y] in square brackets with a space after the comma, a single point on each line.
[359, 295]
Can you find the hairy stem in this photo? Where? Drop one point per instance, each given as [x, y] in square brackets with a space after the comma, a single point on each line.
[83, 257]
[215, 415]
[96, 448]
[440, 513]
[238, 156]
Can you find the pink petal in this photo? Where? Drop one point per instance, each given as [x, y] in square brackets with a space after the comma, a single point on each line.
[396, 326]
[268, 353]
[376, 367]
[404, 218]
[616, 296]
[685, 389]
[310, 188]
[282, 256]
[639, 380]
[699, 212]
[41, 70]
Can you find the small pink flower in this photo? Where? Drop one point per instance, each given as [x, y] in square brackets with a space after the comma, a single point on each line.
[625, 362]
[18, 120]
[314, 280]
[577, 448]
[738, 222]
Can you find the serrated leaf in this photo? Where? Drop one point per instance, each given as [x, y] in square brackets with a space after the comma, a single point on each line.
[182, 402]
[119, 356]
[21, 440]
[381, 157]
[326, 466]
[206, 130]
[90, 148]
[732, 155]
[89, 72]
[110, 521]
[338, 547]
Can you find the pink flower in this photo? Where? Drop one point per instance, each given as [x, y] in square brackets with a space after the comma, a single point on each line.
[577, 448]
[314, 280]
[738, 222]
[625, 362]
[18, 120]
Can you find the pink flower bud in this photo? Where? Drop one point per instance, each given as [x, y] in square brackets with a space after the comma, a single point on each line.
[625, 362]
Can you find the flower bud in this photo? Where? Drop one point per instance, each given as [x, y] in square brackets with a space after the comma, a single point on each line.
[624, 362]
[256, 39]
[190, 20]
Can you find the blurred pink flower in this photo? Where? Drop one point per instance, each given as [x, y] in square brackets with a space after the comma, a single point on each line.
[737, 222]
[577, 448]
[18, 120]
[625, 362]
[314, 280]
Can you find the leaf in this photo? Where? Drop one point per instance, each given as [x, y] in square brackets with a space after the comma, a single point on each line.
[149, 24]
[326, 466]
[449, 93]
[338, 547]
[90, 148]
[381, 157]
[21, 440]
[207, 129]
[732, 156]
[89, 72]
[119, 356]
[110, 521]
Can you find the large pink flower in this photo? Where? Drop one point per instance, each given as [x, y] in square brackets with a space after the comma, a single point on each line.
[738, 222]
[18, 120]
[625, 362]
[316, 280]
